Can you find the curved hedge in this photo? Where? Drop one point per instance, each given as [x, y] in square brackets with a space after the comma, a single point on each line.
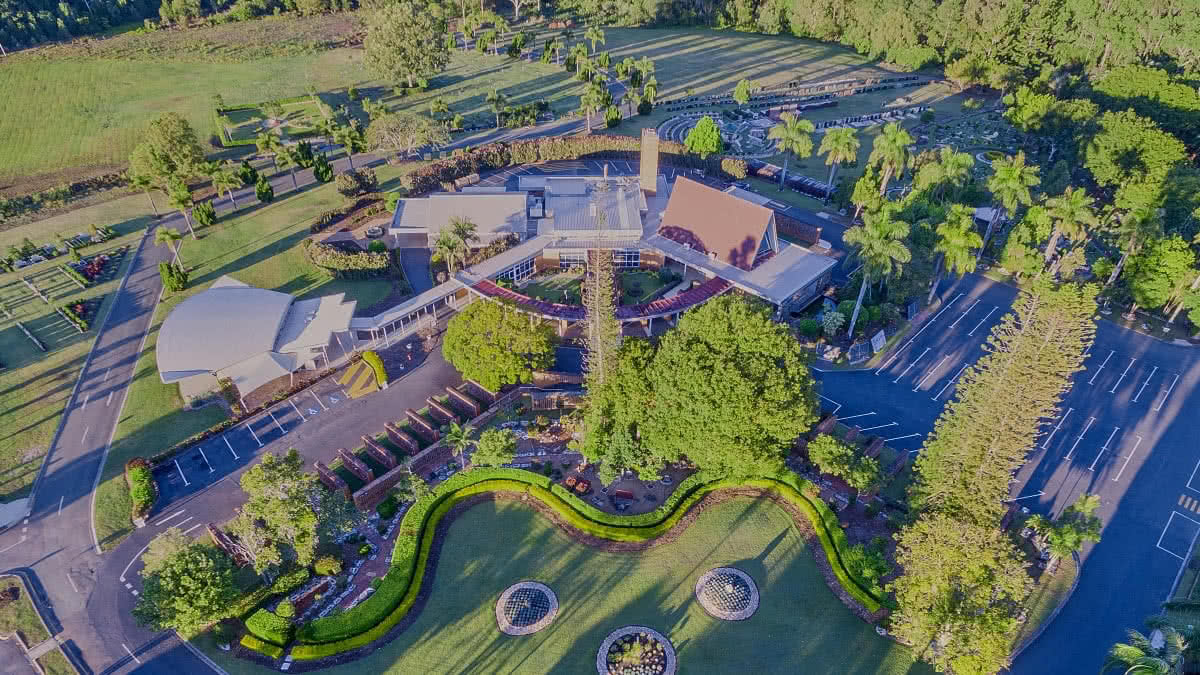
[265, 648]
[401, 586]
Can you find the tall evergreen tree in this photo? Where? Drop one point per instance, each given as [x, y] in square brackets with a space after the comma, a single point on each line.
[603, 337]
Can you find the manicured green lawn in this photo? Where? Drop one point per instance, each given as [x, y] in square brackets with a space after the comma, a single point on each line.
[260, 246]
[638, 287]
[562, 287]
[1046, 596]
[299, 116]
[800, 625]
[21, 616]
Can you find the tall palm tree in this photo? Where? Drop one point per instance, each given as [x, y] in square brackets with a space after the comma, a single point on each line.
[1132, 230]
[839, 146]
[954, 168]
[458, 438]
[289, 158]
[1159, 654]
[556, 45]
[180, 197]
[497, 101]
[881, 249]
[447, 247]
[166, 236]
[1010, 188]
[793, 135]
[592, 101]
[465, 231]
[145, 184]
[225, 180]
[578, 53]
[1073, 216]
[594, 35]
[269, 144]
[350, 138]
[890, 152]
[645, 66]
[957, 239]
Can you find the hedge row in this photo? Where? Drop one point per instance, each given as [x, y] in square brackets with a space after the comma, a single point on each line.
[265, 648]
[142, 490]
[269, 627]
[372, 619]
[430, 178]
[342, 264]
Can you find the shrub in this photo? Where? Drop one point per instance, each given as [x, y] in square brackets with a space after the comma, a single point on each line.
[387, 508]
[391, 199]
[377, 246]
[223, 633]
[365, 549]
[322, 171]
[174, 277]
[264, 191]
[372, 359]
[247, 173]
[832, 323]
[205, 214]
[734, 167]
[352, 93]
[269, 627]
[342, 265]
[285, 609]
[286, 583]
[645, 107]
[142, 490]
[809, 328]
[612, 116]
[327, 566]
[265, 648]
[356, 182]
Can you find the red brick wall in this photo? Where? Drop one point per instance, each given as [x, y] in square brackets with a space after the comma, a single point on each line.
[379, 453]
[402, 440]
[463, 403]
[355, 466]
[331, 480]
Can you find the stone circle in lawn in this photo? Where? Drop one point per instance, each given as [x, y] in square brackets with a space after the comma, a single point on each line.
[526, 607]
[727, 593]
[635, 650]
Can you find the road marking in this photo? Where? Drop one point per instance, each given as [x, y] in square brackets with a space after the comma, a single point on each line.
[881, 426]
[1060, 423]
[72, 582]
[1103, 448]
[227, 444]
[1164, 398]
[192, 527]
[952, 381]
[281, 429]
[83, 441]
[107, 373]
[1110, 355]
[253, 434]
[989, 314]
[310, 391]
[86, 397]
[164, 520]
[1076, 444]
[1127, 458]
[60, 503]
[109, 401]
[1182, 499]
[905, 372]
[931, 372]
[1170, 519]
[897, 438]
[132, 560]
[1139, 394]
[839, 405]
[302, 417]
[185, 480]
[131, 654]
[960, 316]
[843, 419]
[210, 469]
[1114, 389]
[896, 355]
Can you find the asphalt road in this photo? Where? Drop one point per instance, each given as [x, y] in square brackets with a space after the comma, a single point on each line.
[1123, 433]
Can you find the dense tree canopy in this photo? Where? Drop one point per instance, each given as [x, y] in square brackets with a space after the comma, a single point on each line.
[187, 589]
[404, 42]
[169, 151]
[497, 345]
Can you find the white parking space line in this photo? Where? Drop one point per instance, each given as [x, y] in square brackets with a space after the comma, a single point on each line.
[131, 654]
[1127, 458]
[210, 469]
[293, 402]
[1164, 398]
[1192, 478]
[1103, 448]
[169, 517]
[882, 426]
[107, 373]
[253, 434]
[929, 323]
[108, 401]
[1056, 428]
[272, 415]
[931, 372]
[323, 406]
[1097, 374]
[981, 321]
[83, 439]
[228, 445]
[1080, 438]
[1114, 389]
[898, 438]
[192, 528]
[86, 397]
[952, 381]
[843, 419]
[185, 480]
[1144, 384]
[1166, 527]
[839, 405]
[960, 316]
[905, 372]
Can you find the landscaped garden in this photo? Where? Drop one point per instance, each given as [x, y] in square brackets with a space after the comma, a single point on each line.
[637, 286]
[289, 118]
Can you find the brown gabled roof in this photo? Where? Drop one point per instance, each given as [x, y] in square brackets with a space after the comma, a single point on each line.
[712, 221]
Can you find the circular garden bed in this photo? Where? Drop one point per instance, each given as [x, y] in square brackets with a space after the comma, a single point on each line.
[727, 593]
[635, 650]
[526, 607]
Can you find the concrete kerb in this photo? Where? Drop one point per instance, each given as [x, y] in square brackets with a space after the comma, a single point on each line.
[1061, 603]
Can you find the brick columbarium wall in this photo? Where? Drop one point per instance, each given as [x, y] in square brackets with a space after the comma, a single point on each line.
[421, 426]
[355, 466]
[463, 403]
[331, 480]
[401, 439]
[440, 412]
[379, 453]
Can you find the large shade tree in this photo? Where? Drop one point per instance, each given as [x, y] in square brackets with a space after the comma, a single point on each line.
[404, 42]
[189, 588]
[704, 139]
[495, 344]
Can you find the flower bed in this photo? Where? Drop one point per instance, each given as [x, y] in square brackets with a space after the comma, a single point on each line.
[635, 650]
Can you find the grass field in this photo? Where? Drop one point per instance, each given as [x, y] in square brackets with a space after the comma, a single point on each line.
[21, 617]
[800, 625]
[248, 122]
[260, 247]
[552, 288]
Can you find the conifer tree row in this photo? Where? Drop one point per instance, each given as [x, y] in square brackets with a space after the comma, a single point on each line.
[603, 337]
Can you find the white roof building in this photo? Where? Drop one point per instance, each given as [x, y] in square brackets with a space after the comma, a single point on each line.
[495, 214]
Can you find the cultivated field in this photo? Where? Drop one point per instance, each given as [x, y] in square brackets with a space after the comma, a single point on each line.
[799, 620]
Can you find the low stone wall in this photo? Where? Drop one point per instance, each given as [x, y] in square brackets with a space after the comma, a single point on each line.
[545, 379]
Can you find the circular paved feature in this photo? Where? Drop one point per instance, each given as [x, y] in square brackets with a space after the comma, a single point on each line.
[727, 593]
[526, 607]
[657, 655]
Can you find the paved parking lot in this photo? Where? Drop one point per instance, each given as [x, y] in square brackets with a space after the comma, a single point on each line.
[210, 461]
